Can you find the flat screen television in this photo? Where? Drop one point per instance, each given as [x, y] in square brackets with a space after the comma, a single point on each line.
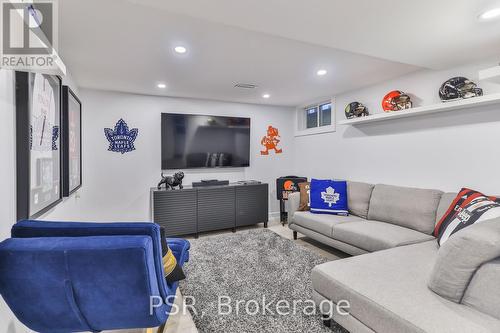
[200, 141]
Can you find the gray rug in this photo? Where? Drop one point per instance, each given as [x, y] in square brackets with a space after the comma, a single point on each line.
[249, 265]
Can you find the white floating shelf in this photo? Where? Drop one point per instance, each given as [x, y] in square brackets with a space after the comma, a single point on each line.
[490, 74]
[429, 109]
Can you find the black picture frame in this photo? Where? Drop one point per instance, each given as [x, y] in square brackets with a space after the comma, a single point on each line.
[27, 207]
[68, 98]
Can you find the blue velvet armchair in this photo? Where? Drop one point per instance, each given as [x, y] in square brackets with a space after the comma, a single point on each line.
[61, 277]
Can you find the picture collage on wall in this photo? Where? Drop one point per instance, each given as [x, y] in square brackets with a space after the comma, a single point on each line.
[42, 143]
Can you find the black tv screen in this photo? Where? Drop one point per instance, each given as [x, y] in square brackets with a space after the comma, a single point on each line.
[199, 141]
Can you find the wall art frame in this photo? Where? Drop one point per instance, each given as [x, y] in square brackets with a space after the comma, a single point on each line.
[71, 142]
[38, 143]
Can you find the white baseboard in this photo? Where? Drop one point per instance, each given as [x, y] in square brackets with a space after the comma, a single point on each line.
[274, 216]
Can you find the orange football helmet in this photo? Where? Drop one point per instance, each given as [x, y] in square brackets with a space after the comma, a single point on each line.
[395, 101]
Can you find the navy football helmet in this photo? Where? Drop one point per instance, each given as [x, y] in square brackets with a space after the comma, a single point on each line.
[458, 88]
[355, 109]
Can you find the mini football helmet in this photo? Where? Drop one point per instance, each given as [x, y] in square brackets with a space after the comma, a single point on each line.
[458, 88]
[395, 101]
[355, 109]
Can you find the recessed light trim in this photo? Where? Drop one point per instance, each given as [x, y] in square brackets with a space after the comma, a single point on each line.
[266, 96]
[490, 14]
[180, 49]
[161, 85]
[321, 72]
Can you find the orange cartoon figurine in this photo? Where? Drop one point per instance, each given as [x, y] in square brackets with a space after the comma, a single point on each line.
[270, 141]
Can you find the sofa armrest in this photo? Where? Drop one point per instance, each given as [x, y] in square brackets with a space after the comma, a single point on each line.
[180, 249]
[483, 293]
[462, 255]
[293, 205]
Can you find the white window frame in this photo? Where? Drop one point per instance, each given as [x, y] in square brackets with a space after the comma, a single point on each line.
[301, 121]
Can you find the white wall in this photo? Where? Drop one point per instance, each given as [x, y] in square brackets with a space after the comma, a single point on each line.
[117, 187]
[9, 324]
[445, 151]
[7, 149]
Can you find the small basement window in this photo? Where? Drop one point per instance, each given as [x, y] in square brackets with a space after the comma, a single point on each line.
[315, 118]
[318, 115]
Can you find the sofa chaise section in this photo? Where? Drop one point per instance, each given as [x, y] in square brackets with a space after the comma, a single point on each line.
[322, 223]
[374, 236]
[387, 292]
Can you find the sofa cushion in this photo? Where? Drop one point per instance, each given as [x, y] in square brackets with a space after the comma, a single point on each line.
[462, 255]
[483, 293]
[322, 223]
[408, 207]
[329, 197]
[358, 197]
[375, 236]
[444, 204]
[305, 196]
[387, 291]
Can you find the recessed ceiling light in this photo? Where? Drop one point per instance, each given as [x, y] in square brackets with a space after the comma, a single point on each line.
[321, 72]
[490, 14]
[180, 49]
[266, 96]
[161, 85]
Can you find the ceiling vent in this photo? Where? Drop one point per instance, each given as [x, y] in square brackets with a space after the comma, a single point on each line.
[245, 85]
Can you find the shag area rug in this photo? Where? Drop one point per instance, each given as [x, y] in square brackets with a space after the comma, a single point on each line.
[252, 267]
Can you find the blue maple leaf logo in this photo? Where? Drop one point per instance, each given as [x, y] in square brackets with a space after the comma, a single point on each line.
[329, 196]
[121, 139]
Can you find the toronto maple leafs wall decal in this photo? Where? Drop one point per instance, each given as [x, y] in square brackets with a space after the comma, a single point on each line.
[271, 141]
[121, 139]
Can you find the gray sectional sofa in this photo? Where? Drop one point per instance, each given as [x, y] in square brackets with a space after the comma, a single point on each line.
[386, 282]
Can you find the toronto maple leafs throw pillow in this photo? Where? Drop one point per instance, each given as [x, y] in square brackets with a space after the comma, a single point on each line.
[329, 197]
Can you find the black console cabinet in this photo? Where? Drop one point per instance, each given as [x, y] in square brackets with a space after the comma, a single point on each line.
[251, 204]
[201, 209]
[216, 208]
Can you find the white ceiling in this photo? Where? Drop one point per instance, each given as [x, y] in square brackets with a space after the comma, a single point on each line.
[279, 45]
[429, 33]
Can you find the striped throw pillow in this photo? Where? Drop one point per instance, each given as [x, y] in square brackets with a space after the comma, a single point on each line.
[467, 208]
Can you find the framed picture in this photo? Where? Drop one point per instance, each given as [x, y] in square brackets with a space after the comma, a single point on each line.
[38, 141]
[72, 141]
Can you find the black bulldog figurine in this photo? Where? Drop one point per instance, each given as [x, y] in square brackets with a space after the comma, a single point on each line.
[172, 181]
